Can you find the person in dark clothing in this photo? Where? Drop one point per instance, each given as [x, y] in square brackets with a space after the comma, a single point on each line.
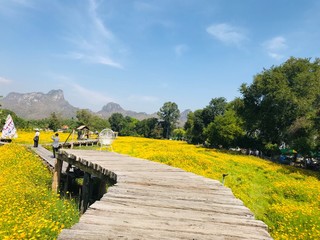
[36, 138]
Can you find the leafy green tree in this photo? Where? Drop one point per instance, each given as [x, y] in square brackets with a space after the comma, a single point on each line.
[54, 122]
[179, 134]
[98, 123]
[194, 127]
[170, 114]
[148, 128]
[225, 130]
[216, 107]
[84, 117]
[282, 100]
[129, 127]
[117, 121]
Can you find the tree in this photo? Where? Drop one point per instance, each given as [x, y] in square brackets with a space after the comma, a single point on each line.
[170, 114]
[149, 128]
[129, 127]
[225, 130]
[116, 121]
[54, 122]
[179, 134]
[278, 98]
[98, 123]
[216, 107]
[84, 117]
[194, 127]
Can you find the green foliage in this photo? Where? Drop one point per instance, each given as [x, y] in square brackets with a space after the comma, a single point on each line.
[54, 122]
[116, 121]
[194, 127]
[200, 119]
[178, 134]
[282, 103]
[19, 122]
[92, 121]
[84, 117]
[225, 130]
[149, 128]
[170, 114]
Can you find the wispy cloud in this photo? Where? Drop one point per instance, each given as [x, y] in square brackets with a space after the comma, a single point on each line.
[83, 97]
[96, 59]
[142, 98]
[93, 42]
[5, 80]
[180, 49]
[227, 34]
[275, 47]
[90, 96]
[12, 8]
[145, 7]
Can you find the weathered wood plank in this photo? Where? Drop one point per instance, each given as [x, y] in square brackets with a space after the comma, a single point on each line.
[155, 201]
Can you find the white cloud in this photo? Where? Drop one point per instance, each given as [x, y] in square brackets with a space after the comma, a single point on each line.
[275, 47]
[98, 23]
[91, 40]
[5, 80]
[107, 61]
[84, 97]
[96, 59]
[180, 49]
[227, 34]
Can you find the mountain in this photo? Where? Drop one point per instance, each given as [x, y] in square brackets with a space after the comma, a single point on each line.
[184, 117]
[38, 105]
[110, 108]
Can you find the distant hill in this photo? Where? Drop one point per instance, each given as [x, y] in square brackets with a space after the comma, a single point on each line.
[37, 105]
[110, 108]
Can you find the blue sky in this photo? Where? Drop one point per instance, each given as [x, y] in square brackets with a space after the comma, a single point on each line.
[143, 53]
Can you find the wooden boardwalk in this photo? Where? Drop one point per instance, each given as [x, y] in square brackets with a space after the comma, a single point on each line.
[155, 201]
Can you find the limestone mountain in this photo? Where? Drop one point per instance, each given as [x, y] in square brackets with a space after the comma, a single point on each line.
[110, 108]
[38, 105]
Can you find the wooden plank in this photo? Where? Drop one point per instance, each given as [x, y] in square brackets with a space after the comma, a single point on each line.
[155, 201]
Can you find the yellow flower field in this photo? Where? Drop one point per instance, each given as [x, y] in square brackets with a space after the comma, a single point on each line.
[286, 198]
[25, 137]
[29, 209]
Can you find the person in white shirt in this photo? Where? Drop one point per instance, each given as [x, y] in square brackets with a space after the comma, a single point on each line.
[36, 138]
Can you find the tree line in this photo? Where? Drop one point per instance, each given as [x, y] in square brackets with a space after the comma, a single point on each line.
[280, 108]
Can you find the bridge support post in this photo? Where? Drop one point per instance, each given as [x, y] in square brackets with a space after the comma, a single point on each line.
[85, 192]
[57, 175]
[102, 188]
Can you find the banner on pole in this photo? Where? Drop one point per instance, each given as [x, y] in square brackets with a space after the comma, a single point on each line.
[9, 130]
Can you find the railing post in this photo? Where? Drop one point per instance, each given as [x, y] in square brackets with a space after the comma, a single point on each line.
[57, 175]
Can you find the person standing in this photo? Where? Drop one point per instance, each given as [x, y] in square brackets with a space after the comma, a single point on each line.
[36, 138]
[55, 144]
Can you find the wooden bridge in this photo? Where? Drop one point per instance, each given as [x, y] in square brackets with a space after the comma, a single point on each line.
[154, 201]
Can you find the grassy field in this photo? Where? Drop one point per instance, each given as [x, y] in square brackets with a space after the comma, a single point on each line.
[286, 198]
